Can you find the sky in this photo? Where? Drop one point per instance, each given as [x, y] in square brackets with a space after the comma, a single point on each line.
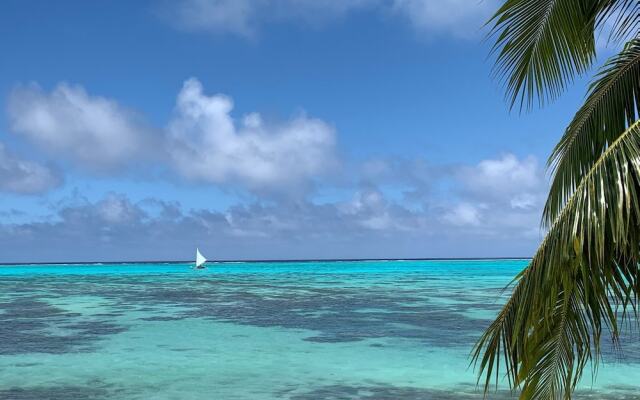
[264, 129]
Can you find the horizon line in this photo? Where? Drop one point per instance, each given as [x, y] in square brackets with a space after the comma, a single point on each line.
[267, 260]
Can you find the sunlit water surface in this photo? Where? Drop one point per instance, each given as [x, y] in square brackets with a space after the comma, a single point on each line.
[295, 330]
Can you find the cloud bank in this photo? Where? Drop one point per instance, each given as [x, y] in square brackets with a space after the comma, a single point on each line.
[463, 221]
[368, 225]
[393, 207]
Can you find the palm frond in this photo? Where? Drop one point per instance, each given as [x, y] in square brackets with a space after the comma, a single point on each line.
[555, 352]
[622, 15]
[543, 45]
[613, 103]
[587, 265]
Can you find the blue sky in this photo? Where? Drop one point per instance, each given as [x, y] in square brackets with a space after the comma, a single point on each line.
[263, 129]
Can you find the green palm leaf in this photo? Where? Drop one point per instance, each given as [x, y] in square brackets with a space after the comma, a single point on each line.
[623, 15]
[586, 269]
[587, 265]
[613, 103]
[544, 44]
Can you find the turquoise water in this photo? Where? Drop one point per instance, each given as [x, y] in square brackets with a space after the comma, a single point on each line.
[294, 330]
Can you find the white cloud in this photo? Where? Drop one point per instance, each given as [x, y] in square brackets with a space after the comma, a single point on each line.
[202, 142]
[25, 176]
[493, 197]
[463, 214]
[460, 18]
[90, 130]
[207, 145]
[116, 209]
[216, 16]
[524, 201]
[505, 177]
[499, 195]
[371, 210]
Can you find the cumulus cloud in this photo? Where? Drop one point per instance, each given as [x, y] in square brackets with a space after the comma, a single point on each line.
[459, 18]
[116, 209]
[463, 214]
[499, 195]
[417, 178]
[202, 142]
[207, 145]
[24, 176]
[92, 131]
[494, 196]
[520, 182]
[371, 209]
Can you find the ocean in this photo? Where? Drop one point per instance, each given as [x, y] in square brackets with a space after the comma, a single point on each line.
[261, 330]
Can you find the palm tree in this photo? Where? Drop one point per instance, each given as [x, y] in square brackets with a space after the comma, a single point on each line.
[584, 280]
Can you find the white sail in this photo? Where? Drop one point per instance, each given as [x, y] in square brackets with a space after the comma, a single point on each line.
[199, 259]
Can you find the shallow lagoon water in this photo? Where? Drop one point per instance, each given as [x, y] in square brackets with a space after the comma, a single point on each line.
[292, 330]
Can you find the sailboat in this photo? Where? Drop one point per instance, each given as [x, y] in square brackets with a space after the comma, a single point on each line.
[200, 260]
